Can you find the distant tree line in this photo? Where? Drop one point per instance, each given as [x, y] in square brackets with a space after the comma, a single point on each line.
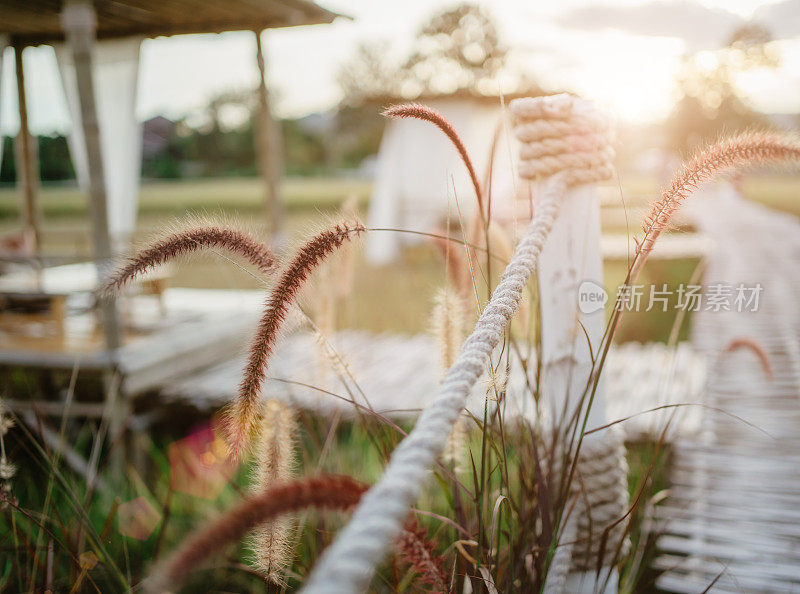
[213, 151]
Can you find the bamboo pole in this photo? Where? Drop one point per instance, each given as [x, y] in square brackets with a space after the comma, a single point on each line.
[28, 161]
[79, 22]
[269, 149]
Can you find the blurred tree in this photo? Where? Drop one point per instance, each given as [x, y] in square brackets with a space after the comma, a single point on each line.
[457, 50]
[710, 102]
[55, 163]
[367, 74]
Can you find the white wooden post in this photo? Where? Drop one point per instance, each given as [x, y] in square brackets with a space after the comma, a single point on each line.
[269, 149]
[572, 306]
[572, 301]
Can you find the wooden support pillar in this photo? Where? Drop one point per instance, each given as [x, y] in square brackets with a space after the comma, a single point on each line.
[27, 159]
[572, 303]
[269, 149]
[79, 23]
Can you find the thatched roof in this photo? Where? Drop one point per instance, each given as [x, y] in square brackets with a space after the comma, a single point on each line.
[33, 22]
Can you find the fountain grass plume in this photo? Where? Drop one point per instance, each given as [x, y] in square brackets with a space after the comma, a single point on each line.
[416, 550]
[750, 148]
[331, 492]
[756, 348]
[274, 464]
[190, 238]
[447, 325]
[423, 112]
[325, 492]
[242, 414]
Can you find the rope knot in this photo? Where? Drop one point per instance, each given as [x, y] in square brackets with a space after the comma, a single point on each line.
[562, 134]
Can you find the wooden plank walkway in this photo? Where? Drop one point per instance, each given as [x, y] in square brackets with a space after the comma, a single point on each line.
[734, 508]
[397, 376]
[200, 328]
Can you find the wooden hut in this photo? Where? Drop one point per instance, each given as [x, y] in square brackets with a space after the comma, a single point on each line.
[80, 24]
[85, 33]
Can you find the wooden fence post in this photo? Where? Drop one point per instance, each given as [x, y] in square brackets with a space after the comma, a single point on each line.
[27, 161]
[566, 136]
[269, 149]
[79, 22]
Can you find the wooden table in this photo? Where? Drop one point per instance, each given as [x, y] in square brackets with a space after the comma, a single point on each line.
[46, 291]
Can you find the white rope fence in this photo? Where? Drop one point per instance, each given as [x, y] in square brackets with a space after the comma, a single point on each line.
[348, 565]
[562, 147]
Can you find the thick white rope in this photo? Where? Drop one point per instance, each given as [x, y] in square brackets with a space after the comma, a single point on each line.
[349, 563]
[556, 581]
[601, 488]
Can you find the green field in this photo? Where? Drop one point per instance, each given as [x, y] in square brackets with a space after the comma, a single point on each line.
[402, 290]
[228, 195]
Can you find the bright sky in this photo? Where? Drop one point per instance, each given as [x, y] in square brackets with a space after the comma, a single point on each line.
[621, 53]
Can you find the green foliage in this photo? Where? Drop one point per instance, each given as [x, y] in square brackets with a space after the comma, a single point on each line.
[55, 163]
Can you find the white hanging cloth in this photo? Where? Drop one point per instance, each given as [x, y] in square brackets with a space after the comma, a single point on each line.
[3, 46]
[115, 69]
[418, 167]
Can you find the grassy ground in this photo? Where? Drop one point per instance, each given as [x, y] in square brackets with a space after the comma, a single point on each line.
[73, 522]
[175, 198]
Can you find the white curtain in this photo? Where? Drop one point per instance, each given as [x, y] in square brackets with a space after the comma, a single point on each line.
[115, 69]
[418, 166]
[3, 46]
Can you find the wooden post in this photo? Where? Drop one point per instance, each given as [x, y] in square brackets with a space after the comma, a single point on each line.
[269, 148]
[28, 161]
[79, 22]
[572, 300]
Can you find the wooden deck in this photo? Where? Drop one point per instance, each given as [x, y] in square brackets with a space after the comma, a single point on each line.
[398, 375]
[196, 328]
[733, 515]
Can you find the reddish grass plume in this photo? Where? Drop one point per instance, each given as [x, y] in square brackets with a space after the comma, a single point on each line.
[242, 414]
[751, 148]
[333, 492]
[425, 113]
[190, 240]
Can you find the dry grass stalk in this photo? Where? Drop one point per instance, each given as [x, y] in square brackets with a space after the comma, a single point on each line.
[274, 464]
[740, 151]
[7, 469]
[423, 112]
[500, 243]
[324, 492]
[192, 239]
[448, 327]
[243, 412]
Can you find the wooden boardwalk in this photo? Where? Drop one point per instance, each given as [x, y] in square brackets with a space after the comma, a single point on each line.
[398, 375]
[733, 514]
[196, 329]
